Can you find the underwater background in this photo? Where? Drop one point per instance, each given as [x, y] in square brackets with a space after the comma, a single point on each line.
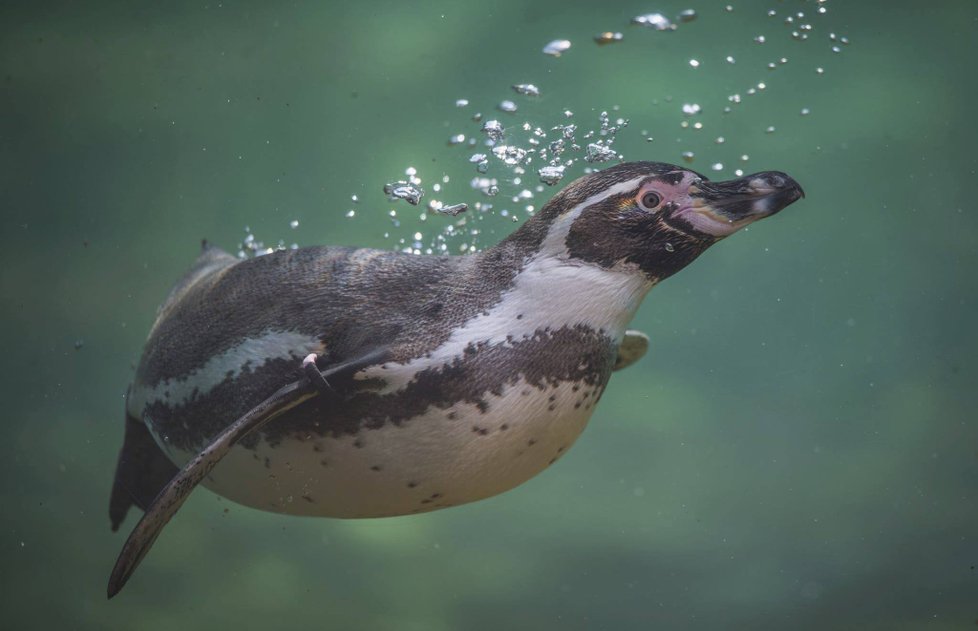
[799, 448]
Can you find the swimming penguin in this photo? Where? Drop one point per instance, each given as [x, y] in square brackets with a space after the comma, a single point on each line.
[345, 382]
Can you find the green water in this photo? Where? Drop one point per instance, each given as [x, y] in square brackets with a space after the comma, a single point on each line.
[798, 450]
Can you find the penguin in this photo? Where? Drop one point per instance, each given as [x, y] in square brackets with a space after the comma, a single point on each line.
[352, 383]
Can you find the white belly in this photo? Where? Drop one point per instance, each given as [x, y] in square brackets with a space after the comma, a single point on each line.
[444, 458]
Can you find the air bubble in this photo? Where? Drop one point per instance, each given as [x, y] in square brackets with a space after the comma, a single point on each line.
[655, 21]
[527, 89]
[557, 47]
[608, 37]
[403, 190]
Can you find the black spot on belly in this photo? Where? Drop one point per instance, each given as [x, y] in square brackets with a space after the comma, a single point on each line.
[411, 485]
[375, 467]
[309, 499]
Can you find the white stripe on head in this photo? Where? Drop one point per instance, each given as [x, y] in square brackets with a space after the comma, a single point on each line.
[556, 239]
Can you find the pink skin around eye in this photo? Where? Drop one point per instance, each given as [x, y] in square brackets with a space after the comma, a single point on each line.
[702, 219]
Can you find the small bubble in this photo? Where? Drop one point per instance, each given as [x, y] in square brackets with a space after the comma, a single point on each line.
[717, 166]
[507, 106]
[351, 213]
[670, 247]
[691, 109]
[510, 155]
[294, 224]
[527, 89]
[599, 152]
[608, 37]
[770, 129]
[557, 47]
[461, 102]
[760, 39]
[403, 190]
[720, 140]
[655, 21]
[551, 174]
[820, 70]
[731, 60]
[805, 111]
[687, 15]
[493, 129]
[453, 209]
[354, 199]
[688, 156]
[694, 63]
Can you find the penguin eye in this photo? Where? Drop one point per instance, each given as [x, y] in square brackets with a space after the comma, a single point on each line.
[650, 199]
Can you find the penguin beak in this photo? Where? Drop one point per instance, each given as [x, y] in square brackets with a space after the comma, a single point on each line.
[746, 199]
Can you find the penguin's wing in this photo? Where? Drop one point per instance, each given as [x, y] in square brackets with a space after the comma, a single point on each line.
[632, 348]
[176, 492]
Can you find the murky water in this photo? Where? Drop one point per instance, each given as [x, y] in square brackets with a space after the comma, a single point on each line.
[799, 448]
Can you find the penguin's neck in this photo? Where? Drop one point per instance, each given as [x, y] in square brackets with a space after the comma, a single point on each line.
[552, 289]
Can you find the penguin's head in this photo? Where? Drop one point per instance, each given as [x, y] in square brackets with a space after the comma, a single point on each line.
[657, 217]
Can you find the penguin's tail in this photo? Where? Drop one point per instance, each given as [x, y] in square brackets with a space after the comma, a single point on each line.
[141, 473]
